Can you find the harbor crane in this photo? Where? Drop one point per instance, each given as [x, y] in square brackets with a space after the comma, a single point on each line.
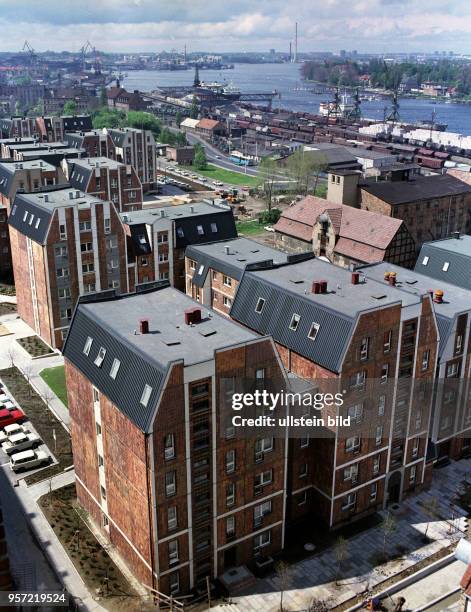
[28, 49]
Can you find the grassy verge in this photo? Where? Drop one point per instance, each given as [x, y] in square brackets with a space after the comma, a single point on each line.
[100, 574]
[44, 422]
[228, 176]
[249, 228]
[55, 378]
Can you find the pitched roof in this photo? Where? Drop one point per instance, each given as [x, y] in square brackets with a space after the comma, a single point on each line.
[363, 235]
[463, 175]
[208, 124]
[144, 358]
[447, 260]
[418, 188]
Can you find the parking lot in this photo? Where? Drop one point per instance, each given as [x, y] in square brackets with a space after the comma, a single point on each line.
[18, 429]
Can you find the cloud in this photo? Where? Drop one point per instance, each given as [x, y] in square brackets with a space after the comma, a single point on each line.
[212, 25]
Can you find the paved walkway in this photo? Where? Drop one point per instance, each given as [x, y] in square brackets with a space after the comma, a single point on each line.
[315, 577]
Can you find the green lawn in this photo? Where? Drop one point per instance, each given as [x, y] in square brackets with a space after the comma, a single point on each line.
[228, 176]
[55, 378]
[249, 228]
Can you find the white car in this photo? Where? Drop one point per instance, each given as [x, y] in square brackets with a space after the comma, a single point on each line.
[28, 460]
[4, 398]
[203, 180]
[20, 442]
[11, 430]
[8, 405]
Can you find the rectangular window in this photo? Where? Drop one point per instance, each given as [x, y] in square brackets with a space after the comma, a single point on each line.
[173, 552]
[100, 357]
[458, 344]
[214, 228]
[64, 292]
[260, 305]
[302, 498]
[101, 461]
[230, 461]
[146, 395]
[384, 372]
[180, 232]
[351, 473]
[107, 223]
[230, 494]
[162, 237]
[352, 444]
[262, 540]
[227, 302]
[364, 348]
[87, 268]
[169, 447]
[262, 446]
[200, 230]
[349, 501]
[98, 429]
[381, 404]
[172, 518]
[88, 345]
[373, 491]
[415, 448]
[85, 226]
[387, 341]
[313, 331]
[294, 322]
[425, 360]
[227, 280]
[358, 380]
[170, 483]
[303, 442]
[379, 435]
[66, 313]
[412, 474]
[174, 583]
[263, 479]
[303, 470]
[356, 413]
[164, 257]
[103, 492]
[376, 465]
[230, 526]
[260, 511]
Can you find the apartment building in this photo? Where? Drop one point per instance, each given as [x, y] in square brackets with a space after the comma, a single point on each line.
[158, 238]
[15, 150]
[6, 265]
[136, 148]
[375, 343]
[52, 129]
[179, 498]
[213, 270]
[106, 179]
[96, 143]
[18, 126]
[26, 176]
[343, 234]
[64, 244]
[450, 430]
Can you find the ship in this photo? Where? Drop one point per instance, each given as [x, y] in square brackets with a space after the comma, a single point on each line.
[337, 108]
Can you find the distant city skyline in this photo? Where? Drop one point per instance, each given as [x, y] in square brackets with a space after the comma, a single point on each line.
[374, 26]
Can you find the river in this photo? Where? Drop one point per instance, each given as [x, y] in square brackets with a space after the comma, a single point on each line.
[285, 79]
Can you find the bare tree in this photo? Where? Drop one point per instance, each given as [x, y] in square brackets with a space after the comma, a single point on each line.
[319, 605]
[28, 374]
[11, 354]
[388, 527]
[282, 570]
[268, 174]
[431, 508]
[341, 555]
[305, 168]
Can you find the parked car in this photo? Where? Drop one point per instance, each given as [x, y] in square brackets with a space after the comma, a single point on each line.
[7, 417]
[27, 460]
[4, 397]
[11, 430]
[20, 442]
[7, 405]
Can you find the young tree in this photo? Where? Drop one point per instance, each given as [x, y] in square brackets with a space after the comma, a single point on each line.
[268, 174]
[178, 119]
[200, 162]
[103, 96]
[341, 555]
[11, 354]
[70, 108]
[283, 573]
[388, 527]
[194, 109]
[305, 168]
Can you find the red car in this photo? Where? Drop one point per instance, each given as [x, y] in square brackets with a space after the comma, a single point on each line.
[8, 417]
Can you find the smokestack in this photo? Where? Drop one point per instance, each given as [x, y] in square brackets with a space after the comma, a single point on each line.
[296, 43]
[290, 52]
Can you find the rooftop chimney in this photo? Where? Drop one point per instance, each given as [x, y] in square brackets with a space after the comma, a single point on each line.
[355, 278]
[71, 195]
[192, 209]
[323, 286]
[162, 212]
[144, 326]
[438, 296]
[316, 287]
[456, 235]
[192, 315]
[46, 198]
[77, 194]
[227, 250]
[392, 279]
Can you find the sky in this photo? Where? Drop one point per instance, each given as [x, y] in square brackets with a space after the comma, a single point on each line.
[377, 26]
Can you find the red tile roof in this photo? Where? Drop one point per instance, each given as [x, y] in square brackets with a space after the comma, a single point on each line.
[362, 235]
[208, 124]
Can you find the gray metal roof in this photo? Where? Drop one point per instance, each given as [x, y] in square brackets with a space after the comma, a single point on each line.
[144, 359]
[456, 252]
[231, 257]
[456, 300]
[31, 213]
[286, 290]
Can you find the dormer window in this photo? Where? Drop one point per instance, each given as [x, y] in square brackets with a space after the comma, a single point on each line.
[313, 331]
[88, 346]
[115, 368]
[260, 305]
[200, 230]
[145, 397]
[294, 322]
